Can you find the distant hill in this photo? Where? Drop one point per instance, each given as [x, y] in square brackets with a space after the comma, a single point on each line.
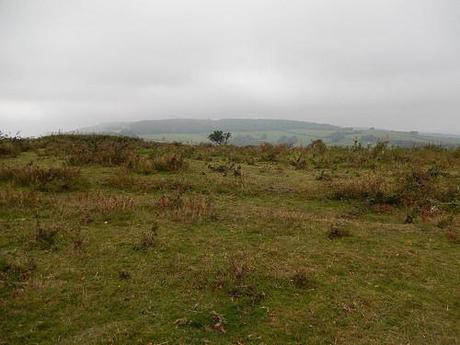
[256, 131]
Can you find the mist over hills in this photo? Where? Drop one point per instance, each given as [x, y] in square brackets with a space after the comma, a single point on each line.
[257, 131]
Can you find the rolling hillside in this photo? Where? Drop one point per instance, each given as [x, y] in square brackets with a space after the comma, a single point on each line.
[256, 131]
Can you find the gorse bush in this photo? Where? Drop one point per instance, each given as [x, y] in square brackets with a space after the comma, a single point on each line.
[416, 188]
[45, 179]
[423, 189]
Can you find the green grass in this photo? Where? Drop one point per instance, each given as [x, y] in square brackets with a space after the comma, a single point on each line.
[229, 274]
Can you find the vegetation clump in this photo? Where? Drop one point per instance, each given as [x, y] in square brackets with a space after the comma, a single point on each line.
[41, 178]
[148, 238]
[15, 271]
[12, 146]
[302, 279]
[338, 230]
[220, 137]
[45, 234]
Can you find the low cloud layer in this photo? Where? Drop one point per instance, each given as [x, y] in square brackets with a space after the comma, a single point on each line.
[383, 63]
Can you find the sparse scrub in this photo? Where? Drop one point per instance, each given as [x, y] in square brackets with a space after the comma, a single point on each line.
[140, 164]
[103, 204]
[445, 221]
[123, 179]
[370, 188]
[11, 146]
[45, 234]
[96, 206]
[318, 147]
[78, 240]
[45, 179]
[238, 280]
[453, 236]
[105, 153]
[169, 162]
[302, 279]
[195, 209]
[299, 163]
[124, 275]
[271, 153]
[148, 238]
[14, 271]
[338, 230]
[225, 169]
[323, 176]
[11, 198]
[188, 209]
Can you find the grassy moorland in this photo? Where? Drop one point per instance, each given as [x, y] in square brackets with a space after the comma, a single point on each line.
[111, 240]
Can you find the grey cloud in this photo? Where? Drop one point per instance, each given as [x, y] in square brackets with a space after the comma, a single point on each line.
[382, 63]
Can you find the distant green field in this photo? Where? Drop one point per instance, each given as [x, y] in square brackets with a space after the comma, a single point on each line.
[304, 137]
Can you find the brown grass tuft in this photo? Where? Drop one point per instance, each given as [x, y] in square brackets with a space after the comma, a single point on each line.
[11, 198]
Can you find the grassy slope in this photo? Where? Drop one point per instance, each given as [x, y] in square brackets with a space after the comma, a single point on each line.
[387, 283]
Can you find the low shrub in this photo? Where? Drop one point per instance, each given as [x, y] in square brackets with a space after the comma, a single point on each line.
[225, 169]
[45, 234]
[169, 162]
[239, 280]
[187, 209]
[46, 179]
[11, 146]
[11, 198]
[16, 271]
[337, 231]
[370, 188]
[148, 238]
[140, 164]
[103, 150]
[425, 191]
[103, 204]
[302, 280]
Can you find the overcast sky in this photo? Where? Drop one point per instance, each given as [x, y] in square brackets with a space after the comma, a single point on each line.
[386, 63]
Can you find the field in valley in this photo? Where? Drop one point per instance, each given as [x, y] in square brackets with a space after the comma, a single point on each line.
[114, 240]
